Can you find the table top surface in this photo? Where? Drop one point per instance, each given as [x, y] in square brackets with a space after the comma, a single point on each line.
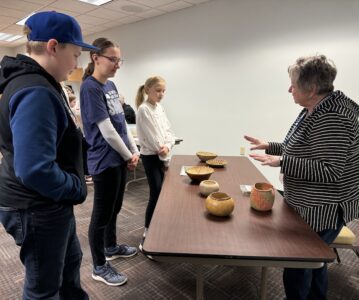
[182, 227]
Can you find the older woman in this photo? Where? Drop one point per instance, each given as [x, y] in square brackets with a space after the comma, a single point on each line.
[319, 159]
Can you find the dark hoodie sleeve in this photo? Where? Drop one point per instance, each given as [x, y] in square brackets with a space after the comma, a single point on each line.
[37, 121]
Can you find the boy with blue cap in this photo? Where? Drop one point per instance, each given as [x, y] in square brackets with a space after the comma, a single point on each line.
[41, 173]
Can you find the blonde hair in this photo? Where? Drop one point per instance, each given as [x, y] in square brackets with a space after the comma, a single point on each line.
[36, 47]
[33, 46]
[140, 97]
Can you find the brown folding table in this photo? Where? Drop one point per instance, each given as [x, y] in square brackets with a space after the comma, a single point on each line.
[181, 230]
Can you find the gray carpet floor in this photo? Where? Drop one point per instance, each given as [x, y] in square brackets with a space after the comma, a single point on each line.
[154, 280]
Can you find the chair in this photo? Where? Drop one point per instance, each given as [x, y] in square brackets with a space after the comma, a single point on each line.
[135, 178]
[346, 239]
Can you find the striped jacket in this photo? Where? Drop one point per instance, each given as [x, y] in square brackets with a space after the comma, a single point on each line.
[321, 162]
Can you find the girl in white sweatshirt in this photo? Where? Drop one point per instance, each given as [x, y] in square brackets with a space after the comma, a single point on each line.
[155, 137]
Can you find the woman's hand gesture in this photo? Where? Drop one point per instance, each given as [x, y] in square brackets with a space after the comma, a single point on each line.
[258, 144]
[267, 160]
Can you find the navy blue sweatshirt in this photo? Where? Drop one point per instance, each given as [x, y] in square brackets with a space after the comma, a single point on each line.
[41, 145]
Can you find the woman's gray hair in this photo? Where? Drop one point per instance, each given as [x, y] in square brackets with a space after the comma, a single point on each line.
[314, 70]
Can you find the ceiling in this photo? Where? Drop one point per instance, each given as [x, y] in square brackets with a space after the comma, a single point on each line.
[91, 18]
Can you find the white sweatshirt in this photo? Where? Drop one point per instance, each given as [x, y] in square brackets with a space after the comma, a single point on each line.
[154, 130]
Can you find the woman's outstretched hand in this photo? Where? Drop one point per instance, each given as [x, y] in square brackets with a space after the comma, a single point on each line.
[267, 160]
[258, 144]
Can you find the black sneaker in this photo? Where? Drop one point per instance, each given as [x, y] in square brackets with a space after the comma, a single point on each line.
[120, 251]
[107, 274]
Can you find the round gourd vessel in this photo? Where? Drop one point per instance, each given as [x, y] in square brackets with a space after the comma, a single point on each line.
[208, 186]
[262, 196]
[219, 204]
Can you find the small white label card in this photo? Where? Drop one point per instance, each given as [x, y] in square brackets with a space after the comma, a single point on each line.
[246, 189]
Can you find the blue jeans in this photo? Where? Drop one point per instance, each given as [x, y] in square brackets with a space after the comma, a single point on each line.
[50, 251]
[302, 284]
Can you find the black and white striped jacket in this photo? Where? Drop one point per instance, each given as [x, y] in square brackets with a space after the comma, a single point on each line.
[321, 163]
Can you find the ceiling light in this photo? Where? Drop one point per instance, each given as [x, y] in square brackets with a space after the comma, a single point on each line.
[22, 22]
[7, 37]
[95, 2]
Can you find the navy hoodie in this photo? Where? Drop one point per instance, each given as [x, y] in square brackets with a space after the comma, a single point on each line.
[41, 145]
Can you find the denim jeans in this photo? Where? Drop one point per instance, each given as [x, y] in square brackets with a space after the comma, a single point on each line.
[109, 187]
[302, 284]
[50, 251]
[155, 174]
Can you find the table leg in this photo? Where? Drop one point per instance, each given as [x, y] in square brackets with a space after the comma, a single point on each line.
[264, 283]
[199, 283]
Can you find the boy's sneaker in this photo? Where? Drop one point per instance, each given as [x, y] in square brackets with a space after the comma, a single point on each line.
[120, 251]
[107, 274]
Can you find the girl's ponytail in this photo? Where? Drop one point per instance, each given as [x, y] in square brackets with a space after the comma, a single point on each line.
[89, 70]
[140, 97]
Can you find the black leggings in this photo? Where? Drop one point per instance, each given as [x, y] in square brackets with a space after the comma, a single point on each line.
[154, 169]
[109, 187]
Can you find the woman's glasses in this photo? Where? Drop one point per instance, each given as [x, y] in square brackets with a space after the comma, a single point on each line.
[114, 60]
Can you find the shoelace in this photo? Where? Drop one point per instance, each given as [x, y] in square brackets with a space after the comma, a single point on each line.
[124, 249]
[112, 272]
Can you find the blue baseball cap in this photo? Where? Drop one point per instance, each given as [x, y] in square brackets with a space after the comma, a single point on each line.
[48, 25]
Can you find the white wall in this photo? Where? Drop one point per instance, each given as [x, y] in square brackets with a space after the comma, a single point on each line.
[6, 51]
[226, 62]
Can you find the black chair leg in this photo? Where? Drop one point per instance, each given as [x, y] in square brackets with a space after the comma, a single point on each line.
[337, 254]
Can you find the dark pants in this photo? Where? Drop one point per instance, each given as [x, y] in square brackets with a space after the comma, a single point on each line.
[310, 284]
[154, 169]
[50, 251]
[109, 187]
